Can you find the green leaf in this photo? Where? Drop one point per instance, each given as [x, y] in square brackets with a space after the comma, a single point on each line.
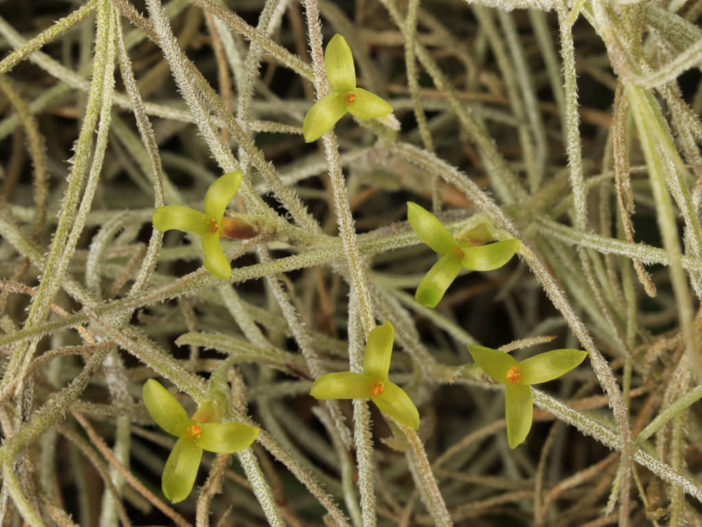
[519, 413]
[342, 385]
[376, 359]
[215, 260]
[394, 402]
[322, 116]
[338, 61]
[493, 362]
[164, 409]
[180, 218]
[550, 365]
[181, 470]
[490, 256]
[429, 229]
[368, 105]
[220, 193]
[226, 438]
[435, 283]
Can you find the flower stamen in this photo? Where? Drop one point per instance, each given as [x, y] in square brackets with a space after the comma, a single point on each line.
[194, 432]
[377, 387]
[514, 375]
[459, 252]
[349, 98]
[212, 225]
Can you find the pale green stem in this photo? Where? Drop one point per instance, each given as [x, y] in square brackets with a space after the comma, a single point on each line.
[544, 38]
[57, 259]
[425, 480]
[12, 484]
[528, 93]
[572, 121]
[37, 153]
[347, 473]
[257, 36]
[410, 35]
[674, 409]
[640, 101]
[612, 440]
[53, 411]
[19, 53]
[260, 487]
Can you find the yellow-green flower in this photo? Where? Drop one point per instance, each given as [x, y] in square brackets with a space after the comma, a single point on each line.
[517, 378]
[454, 255]
[345, 96]
[211, 225]
[194, 435]
[373, 383]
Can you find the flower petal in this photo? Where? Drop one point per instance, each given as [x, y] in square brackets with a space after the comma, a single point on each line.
[429, 229]
[164, 408]
[342, 385]
[215, 260]
[226, 438]
[220, 193]
[435, 283]
[550, 365]
[180, 218]
[493, 362]
[338, 61]
[490, 256]
[367, 105]
[397, 404]
[519, 413]
[181, 470]
[376, 359]
[322, 116]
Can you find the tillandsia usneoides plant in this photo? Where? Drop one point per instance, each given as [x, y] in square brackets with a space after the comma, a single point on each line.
[350, 263]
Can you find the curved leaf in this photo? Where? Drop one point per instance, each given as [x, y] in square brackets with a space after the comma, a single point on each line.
[376, 359]
[489, 257]
[215, 260]
[164, 409]
[181, 470]
[429, 229]
[323, 116]
[493, 362]
[550, 365]
[394, 402]
[220, 193]
[180, 218]
[338, 61]
[342, 385]
[367, 105]
[519, 413]
[435, 283]
[226, 438]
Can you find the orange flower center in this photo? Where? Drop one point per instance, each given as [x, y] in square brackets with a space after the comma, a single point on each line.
[514, 375]
[212, 225]
[459, 252]
[377, 387]
[349, 98]
[194, 432]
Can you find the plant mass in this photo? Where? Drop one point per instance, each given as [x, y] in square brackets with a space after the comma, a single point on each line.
[202, 254]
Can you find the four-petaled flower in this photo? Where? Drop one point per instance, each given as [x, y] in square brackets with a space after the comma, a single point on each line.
[194, 436]
[211, 225]
[373, 383]
[345, 96]
[454, 254]
[517, 378]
